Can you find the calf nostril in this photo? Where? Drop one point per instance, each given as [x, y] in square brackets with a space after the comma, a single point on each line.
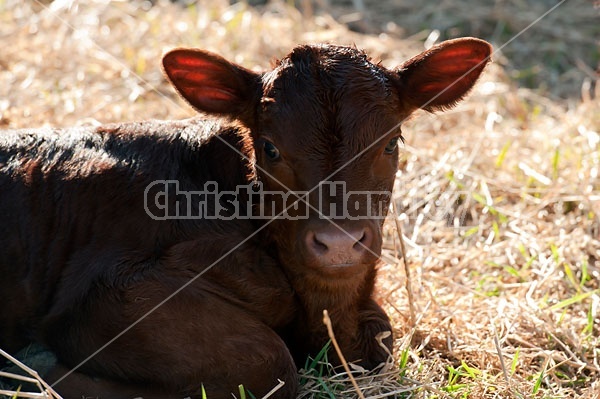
[364, 242]
[319, 244]
[363, 238]
[315, 245]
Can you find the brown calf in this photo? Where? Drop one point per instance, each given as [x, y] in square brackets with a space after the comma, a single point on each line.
[112, 234]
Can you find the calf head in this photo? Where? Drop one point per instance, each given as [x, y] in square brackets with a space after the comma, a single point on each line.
[323, 126]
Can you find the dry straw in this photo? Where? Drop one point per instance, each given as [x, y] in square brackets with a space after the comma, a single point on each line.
[45, 390]
[498, 199]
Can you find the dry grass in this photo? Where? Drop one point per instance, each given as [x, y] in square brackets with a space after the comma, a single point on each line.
[499, 198]
[553, 56]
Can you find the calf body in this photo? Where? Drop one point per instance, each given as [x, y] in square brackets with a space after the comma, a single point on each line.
[145, 294]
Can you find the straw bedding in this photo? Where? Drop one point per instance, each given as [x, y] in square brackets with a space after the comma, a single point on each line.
[498, 200]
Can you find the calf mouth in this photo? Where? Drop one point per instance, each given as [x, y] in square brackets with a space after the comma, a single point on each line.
[341, 270]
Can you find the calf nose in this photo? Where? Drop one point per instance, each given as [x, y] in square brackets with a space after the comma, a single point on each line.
[334, 246]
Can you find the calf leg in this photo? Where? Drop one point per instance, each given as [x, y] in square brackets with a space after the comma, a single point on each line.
[357, 332]
[82, 386]
[371, 349]
[197, 339]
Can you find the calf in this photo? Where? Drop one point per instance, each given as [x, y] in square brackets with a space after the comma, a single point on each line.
[204, 251]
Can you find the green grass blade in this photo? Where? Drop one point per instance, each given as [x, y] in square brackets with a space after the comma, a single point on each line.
[589, 327]
[515, 361]
[555, 162]
[311, 364]
[403, 362]
[574, 299]
[585, 277]
[571, 276]
[326, 388]
[538, 381]
[502, 155]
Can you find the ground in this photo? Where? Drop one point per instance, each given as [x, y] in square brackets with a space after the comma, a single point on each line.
[498, 200]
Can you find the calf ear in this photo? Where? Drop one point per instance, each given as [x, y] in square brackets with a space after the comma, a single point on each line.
[210, 83]
[441, 76]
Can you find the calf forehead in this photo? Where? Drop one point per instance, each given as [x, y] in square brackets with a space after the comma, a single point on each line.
[325, 74]
[333, 95]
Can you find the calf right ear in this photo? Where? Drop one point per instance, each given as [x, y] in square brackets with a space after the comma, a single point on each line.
[210, 83]
[438, 78]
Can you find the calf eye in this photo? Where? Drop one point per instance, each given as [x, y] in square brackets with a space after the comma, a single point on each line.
[271, 151]
[391, 146]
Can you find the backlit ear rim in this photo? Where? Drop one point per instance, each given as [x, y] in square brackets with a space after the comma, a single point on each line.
[441, 76]
[208, 82]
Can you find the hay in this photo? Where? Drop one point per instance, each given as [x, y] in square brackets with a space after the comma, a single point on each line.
[26, 381]
[499, 198]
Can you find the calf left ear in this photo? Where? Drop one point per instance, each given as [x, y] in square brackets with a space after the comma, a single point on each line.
[210, 83]
[441, 76]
